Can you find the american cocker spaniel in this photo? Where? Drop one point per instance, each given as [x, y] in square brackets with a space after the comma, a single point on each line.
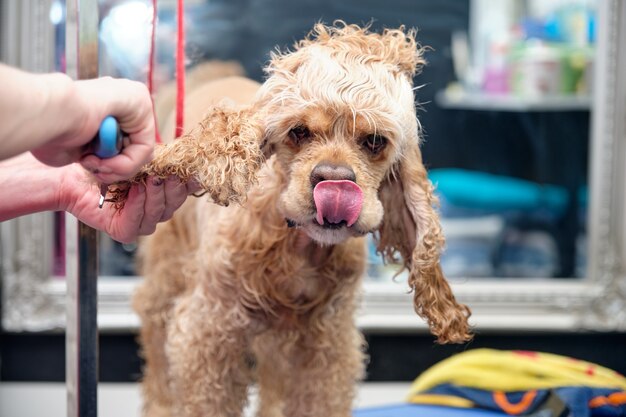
[265, 291]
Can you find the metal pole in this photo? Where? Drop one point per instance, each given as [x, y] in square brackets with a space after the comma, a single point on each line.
[82, 271]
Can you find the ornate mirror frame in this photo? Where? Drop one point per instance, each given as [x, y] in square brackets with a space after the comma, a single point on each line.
[33, 301]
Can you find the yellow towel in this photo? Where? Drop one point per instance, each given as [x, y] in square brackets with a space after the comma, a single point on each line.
[495, 370]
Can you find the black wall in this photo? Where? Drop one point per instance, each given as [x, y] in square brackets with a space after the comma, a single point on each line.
[393, 357]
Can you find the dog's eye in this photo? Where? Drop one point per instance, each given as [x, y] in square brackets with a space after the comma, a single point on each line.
[299, 134]
[374, 143]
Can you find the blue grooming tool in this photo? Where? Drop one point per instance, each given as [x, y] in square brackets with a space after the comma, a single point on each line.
[108, 142]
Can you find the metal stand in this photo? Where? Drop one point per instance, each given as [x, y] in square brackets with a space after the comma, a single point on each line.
[82, 327]
[82, 269]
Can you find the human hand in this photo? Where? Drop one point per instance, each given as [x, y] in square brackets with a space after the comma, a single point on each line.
[88, 103]
[31, 186]
[145, 206]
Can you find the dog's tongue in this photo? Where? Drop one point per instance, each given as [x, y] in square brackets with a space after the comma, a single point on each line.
[336, 201]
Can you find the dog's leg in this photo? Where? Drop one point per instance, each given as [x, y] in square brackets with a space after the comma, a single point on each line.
[325, 368]
[153, 308]
[162, 259]
[206, 351]
[271, 374]
[157, 400]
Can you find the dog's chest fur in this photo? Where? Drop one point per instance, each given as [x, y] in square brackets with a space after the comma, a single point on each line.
[296, 280]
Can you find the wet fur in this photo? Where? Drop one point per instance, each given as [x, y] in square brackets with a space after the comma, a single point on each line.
[232, 295]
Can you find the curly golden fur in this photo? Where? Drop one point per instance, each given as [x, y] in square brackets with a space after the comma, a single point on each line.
[238, 294]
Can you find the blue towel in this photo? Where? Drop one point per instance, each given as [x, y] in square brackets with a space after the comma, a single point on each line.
[479, 190]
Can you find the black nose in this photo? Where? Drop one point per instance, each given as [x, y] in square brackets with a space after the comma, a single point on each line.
[325, 171]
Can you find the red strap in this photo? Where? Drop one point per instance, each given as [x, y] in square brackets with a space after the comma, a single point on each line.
[151, 67]
[180, 70]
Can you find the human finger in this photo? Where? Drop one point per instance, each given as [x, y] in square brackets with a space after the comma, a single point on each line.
[130, 104]
[192, 186]
[118, 168]
[127, 222]
[154, 205]
[175, 195]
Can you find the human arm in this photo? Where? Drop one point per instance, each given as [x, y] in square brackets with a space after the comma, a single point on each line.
[55, 118]
[29, 186]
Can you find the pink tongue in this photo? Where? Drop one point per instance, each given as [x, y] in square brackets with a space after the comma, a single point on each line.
[336, 201]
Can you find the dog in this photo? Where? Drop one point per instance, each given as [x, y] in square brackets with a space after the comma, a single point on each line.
[321, 154]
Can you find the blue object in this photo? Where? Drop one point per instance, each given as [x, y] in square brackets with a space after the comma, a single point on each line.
[479, 190]
[108, 142]
[416, 410]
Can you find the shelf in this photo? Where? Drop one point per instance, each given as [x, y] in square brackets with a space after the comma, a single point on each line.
[492, 102]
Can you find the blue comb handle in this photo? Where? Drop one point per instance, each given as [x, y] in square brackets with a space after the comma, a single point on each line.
[108, 143]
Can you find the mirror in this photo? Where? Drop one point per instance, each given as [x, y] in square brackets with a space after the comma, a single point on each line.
[522, 137]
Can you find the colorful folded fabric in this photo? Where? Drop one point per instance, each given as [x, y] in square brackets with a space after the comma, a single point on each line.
[522, 383]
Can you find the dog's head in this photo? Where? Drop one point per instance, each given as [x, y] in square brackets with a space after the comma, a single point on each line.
[339, 115]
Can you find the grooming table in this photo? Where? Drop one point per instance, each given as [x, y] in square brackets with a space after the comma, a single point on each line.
[416, 410]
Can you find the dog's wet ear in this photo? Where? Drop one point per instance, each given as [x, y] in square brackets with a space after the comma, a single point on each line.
[411, 229]
[221, 154]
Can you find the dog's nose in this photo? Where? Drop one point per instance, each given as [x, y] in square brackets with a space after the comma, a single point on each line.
[325, 171]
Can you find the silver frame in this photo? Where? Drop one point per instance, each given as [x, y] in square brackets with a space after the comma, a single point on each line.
[25, 34]
[33, 301]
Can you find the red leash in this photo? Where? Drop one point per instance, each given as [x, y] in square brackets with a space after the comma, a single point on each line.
[180, 66]
[180, 70]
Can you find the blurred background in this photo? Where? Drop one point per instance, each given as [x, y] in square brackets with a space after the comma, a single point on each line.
[504, 101]
[508, 105]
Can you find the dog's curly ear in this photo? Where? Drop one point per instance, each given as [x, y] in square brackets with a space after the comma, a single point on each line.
[221, 154]
[411, 229]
